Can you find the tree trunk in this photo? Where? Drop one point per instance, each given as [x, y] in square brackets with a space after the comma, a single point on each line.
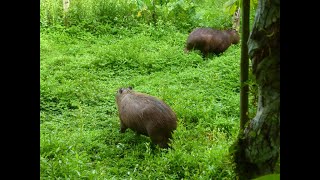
[66, 4]
[257, 148]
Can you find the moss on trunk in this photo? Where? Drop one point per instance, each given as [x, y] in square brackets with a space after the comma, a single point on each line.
[257, 149]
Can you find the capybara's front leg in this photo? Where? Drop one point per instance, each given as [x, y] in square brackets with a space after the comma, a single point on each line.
[122, 127]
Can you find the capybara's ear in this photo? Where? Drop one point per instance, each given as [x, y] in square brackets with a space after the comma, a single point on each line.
[130, 87]
[120, 90]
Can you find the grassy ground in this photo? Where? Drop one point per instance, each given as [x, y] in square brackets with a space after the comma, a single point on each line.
[80, 73]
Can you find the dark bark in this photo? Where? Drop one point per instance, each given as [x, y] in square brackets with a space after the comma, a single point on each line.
[257, 149]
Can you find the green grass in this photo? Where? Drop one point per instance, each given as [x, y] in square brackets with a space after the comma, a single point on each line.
[80, 72]
[80, 75]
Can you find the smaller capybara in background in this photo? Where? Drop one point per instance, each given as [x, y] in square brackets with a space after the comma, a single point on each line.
[209, 40]
[146, 115]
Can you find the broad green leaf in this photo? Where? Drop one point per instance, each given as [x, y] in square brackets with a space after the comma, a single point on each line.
[269, 177]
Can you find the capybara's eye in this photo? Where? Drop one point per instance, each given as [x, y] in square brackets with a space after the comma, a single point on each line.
[120, 90]
[130, 87]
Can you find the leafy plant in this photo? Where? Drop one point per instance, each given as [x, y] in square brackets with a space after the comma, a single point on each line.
[269, 177]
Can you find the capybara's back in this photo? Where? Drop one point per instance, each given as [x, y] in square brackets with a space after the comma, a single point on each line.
[146, 115]
[209, 40]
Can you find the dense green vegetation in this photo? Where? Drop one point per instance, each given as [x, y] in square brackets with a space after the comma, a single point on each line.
[100, 46]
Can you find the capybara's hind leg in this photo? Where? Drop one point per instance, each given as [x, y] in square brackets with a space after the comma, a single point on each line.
[160, 142]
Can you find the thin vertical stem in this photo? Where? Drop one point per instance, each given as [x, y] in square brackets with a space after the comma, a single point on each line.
[244, 64]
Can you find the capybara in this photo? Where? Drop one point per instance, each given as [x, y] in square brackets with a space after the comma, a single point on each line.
[146, 115]
[209, 40]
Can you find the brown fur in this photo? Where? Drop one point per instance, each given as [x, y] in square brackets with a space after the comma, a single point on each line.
[146, 115]
[209, 40]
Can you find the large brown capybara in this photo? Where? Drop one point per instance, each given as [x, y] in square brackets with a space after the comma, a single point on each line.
[146, 115]
[209, 40]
